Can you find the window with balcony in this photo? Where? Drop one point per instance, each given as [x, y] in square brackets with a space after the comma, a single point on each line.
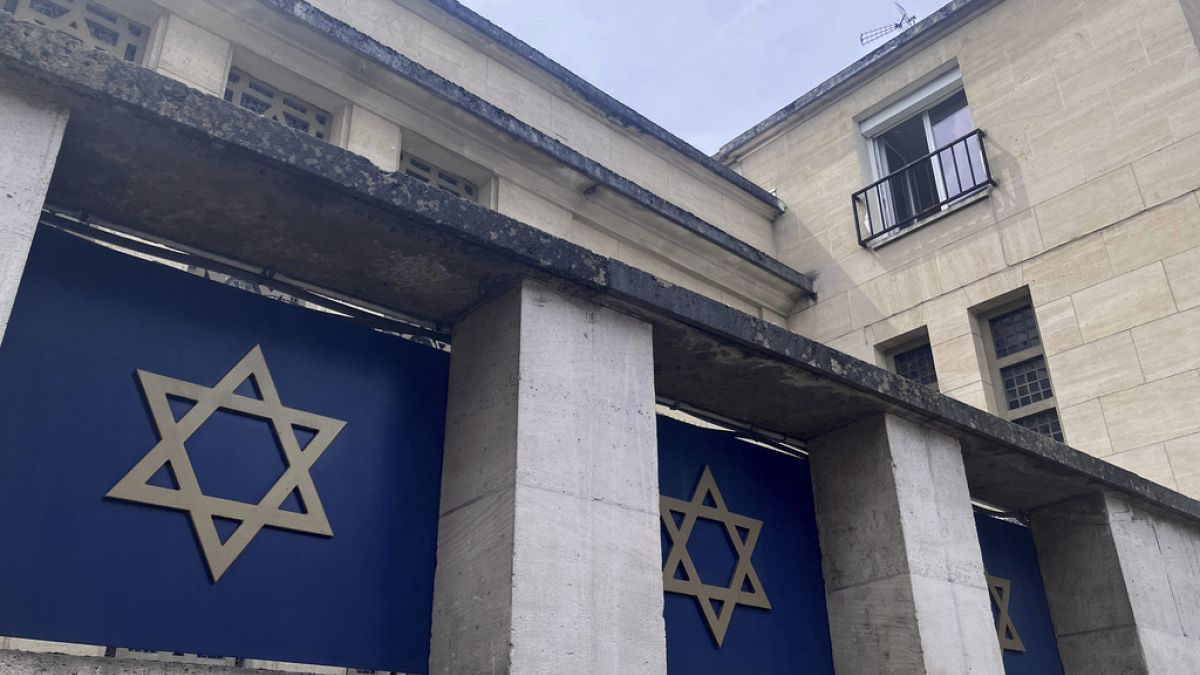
[926, 156]
[1024, 392]
[92, 22]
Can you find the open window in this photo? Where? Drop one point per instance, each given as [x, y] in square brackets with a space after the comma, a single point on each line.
[926, 156]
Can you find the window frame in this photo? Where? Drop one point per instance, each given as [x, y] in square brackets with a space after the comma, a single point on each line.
[295, 85]
[908, 343]
[996, 364]
[878, 161]
[918, 103]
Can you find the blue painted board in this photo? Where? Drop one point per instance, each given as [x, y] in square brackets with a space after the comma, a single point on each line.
[78, 567]
[793, 635]
[1009, 553]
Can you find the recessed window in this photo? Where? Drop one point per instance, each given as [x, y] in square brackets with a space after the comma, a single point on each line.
[92, 22]
[1014, 331]
[1026, 383]
[926, 155]
[268, 100]
[1018, 365]
[1045, 422]
[430, 173]
[914, 360]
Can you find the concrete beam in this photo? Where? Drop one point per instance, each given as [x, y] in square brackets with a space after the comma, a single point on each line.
[1123, 584]
[548, 541]
[30, 136]
[903, 571]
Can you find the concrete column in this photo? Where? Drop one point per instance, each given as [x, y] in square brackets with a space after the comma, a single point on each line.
[373, 137]
[904, 578]
[30, 135]
[549, 556]
[183, 51]
[1123, 585]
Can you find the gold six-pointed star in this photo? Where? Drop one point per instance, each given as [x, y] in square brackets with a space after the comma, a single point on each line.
[186, 496]
[679, 572]
[1001, 591]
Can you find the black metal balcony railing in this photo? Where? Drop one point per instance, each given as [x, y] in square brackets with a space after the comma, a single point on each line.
[922, 188]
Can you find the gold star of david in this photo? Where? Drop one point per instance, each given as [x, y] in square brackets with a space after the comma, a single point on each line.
[744, 588]
[1000, 590]
[170, 450]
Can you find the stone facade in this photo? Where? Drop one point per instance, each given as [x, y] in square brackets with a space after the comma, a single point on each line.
[602, 263]
[1090, 113]
[379, 118]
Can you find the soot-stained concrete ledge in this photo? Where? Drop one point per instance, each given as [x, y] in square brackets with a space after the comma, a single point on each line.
[170, 163]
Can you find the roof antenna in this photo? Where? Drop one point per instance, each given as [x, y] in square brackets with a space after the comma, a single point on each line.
[905, 21]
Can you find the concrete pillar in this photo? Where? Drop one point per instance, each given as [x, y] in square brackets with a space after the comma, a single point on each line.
[904, 578]
[30, 135]
[183, 51]
[549, 556]
[373, 137]
[1123, 585]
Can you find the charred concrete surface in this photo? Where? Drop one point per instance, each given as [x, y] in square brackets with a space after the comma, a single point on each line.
[29, 663]
[171, 163]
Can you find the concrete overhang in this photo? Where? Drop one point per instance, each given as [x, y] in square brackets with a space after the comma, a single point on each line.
[341, 43]
[174, 164]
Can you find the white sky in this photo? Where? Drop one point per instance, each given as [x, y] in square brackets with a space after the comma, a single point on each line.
[706, 70]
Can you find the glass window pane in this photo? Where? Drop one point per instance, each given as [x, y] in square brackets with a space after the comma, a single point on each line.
[961, 165]
[916, 364]
[1014, 331]
[911, 190]
[1026, 382]
[950, 119]
[1045, 422]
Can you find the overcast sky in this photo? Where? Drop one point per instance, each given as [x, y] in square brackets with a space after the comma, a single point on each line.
[706, 70]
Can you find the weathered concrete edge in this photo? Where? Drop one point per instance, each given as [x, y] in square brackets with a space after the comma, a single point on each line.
[64, 63]
[367, 47]
[947, 18]
[17, 662]
[610, 106]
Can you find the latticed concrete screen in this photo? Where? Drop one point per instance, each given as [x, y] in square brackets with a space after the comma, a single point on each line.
[429, 173]
[257, 96]
[91, 22]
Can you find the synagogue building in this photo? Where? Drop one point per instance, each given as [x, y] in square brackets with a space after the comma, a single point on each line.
[359, 336]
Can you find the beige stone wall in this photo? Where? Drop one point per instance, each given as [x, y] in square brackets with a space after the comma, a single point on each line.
[521, 90]
[377, 114]
[1092, 112]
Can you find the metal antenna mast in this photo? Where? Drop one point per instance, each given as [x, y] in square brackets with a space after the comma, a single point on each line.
[905, 21]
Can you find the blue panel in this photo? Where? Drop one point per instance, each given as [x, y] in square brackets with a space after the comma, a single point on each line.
[79, 567]
[1008, 552]
[793, 635]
